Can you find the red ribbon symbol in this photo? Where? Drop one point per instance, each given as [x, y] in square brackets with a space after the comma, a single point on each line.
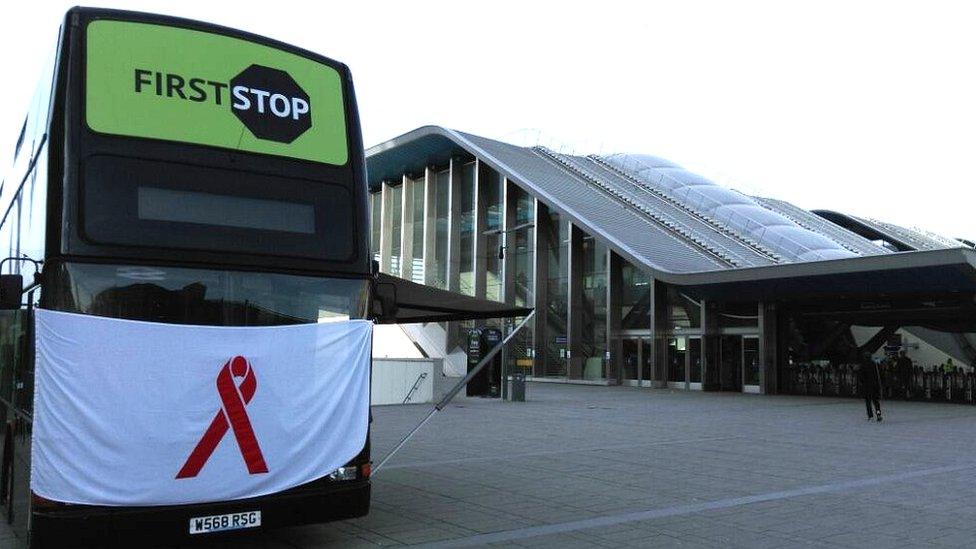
[231, 416]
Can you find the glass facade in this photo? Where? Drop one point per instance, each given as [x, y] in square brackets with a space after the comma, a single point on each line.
[375, 224]
[492, 201]
[630, 362]
[738, 315]
[635, 299]
[554, 243]
[521, 248]
[416, 230]
[750, 360]
[684, 313]
[466, 229]
[442, 206]
[730, 367]
[493, 267]
[695, 360]
[674, 335]
[594, 314]
[520, 255]
[677, 355]
[647, 359]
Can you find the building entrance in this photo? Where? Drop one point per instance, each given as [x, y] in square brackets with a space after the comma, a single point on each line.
[637, 361]
[739, 363]
[684, 360]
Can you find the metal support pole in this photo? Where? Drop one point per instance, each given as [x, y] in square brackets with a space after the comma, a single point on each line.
[454, 391]
[505, 396]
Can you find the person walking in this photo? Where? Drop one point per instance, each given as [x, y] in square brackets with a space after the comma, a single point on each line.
[869, 378]
[906, 371]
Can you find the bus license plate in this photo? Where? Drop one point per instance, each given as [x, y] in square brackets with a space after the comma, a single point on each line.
[220, 523]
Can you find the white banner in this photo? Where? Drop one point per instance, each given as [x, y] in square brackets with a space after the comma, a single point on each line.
[142, 413]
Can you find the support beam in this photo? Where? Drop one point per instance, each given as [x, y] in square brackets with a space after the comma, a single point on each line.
[615, 286]
[509, 356]
[386, 226]
[655, 345]
[879, 339]
[711, 347]
[661, 332]
[430, 225]
[541, 284]
[768, 348]
[968, 350]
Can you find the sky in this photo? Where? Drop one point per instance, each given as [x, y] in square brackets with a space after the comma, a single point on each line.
[863, 107]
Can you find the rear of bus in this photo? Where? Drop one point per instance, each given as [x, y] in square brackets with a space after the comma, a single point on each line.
[199, 175]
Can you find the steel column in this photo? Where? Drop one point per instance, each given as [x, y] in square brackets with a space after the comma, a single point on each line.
[540, 292]
[430, 225]
[386, 226]
[615, 285]
[574, 304]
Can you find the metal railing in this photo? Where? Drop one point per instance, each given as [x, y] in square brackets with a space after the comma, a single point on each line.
[446, 399]
[416, 385]
[923, 384]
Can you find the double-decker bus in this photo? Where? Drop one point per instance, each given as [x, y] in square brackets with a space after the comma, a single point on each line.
[172, 171]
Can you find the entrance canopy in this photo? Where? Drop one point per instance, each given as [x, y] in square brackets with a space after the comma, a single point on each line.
[413, 303]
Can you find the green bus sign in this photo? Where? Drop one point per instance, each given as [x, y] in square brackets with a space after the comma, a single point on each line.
[189, 86]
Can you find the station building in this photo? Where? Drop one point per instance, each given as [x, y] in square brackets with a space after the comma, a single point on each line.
[643, 273]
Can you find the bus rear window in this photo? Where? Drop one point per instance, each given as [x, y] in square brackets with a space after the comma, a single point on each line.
[144, 203]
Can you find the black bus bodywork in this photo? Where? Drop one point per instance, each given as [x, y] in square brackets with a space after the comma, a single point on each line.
[72, 203]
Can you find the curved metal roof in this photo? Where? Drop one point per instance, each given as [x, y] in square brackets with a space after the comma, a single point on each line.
[684, 229]
[850, 240]
[903, 237]
[733, 209]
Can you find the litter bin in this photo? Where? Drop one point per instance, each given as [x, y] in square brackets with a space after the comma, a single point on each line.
[516, 387]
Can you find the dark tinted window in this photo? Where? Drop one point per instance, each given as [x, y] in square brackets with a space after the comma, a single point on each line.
[202, 296]
[164, 205]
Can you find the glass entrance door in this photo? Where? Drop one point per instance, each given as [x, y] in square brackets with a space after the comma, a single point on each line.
[739, 367]
[684, 360]
[730, 367]
[695, 363]
[637, 361]
[630, 362]
[750, 364]
[677, 362]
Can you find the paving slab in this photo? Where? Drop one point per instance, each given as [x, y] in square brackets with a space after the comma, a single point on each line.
[582, 466]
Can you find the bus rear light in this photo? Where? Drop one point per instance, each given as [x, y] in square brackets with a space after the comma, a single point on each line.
[366, 469]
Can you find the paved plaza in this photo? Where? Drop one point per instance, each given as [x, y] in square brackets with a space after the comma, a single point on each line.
[579, 466]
